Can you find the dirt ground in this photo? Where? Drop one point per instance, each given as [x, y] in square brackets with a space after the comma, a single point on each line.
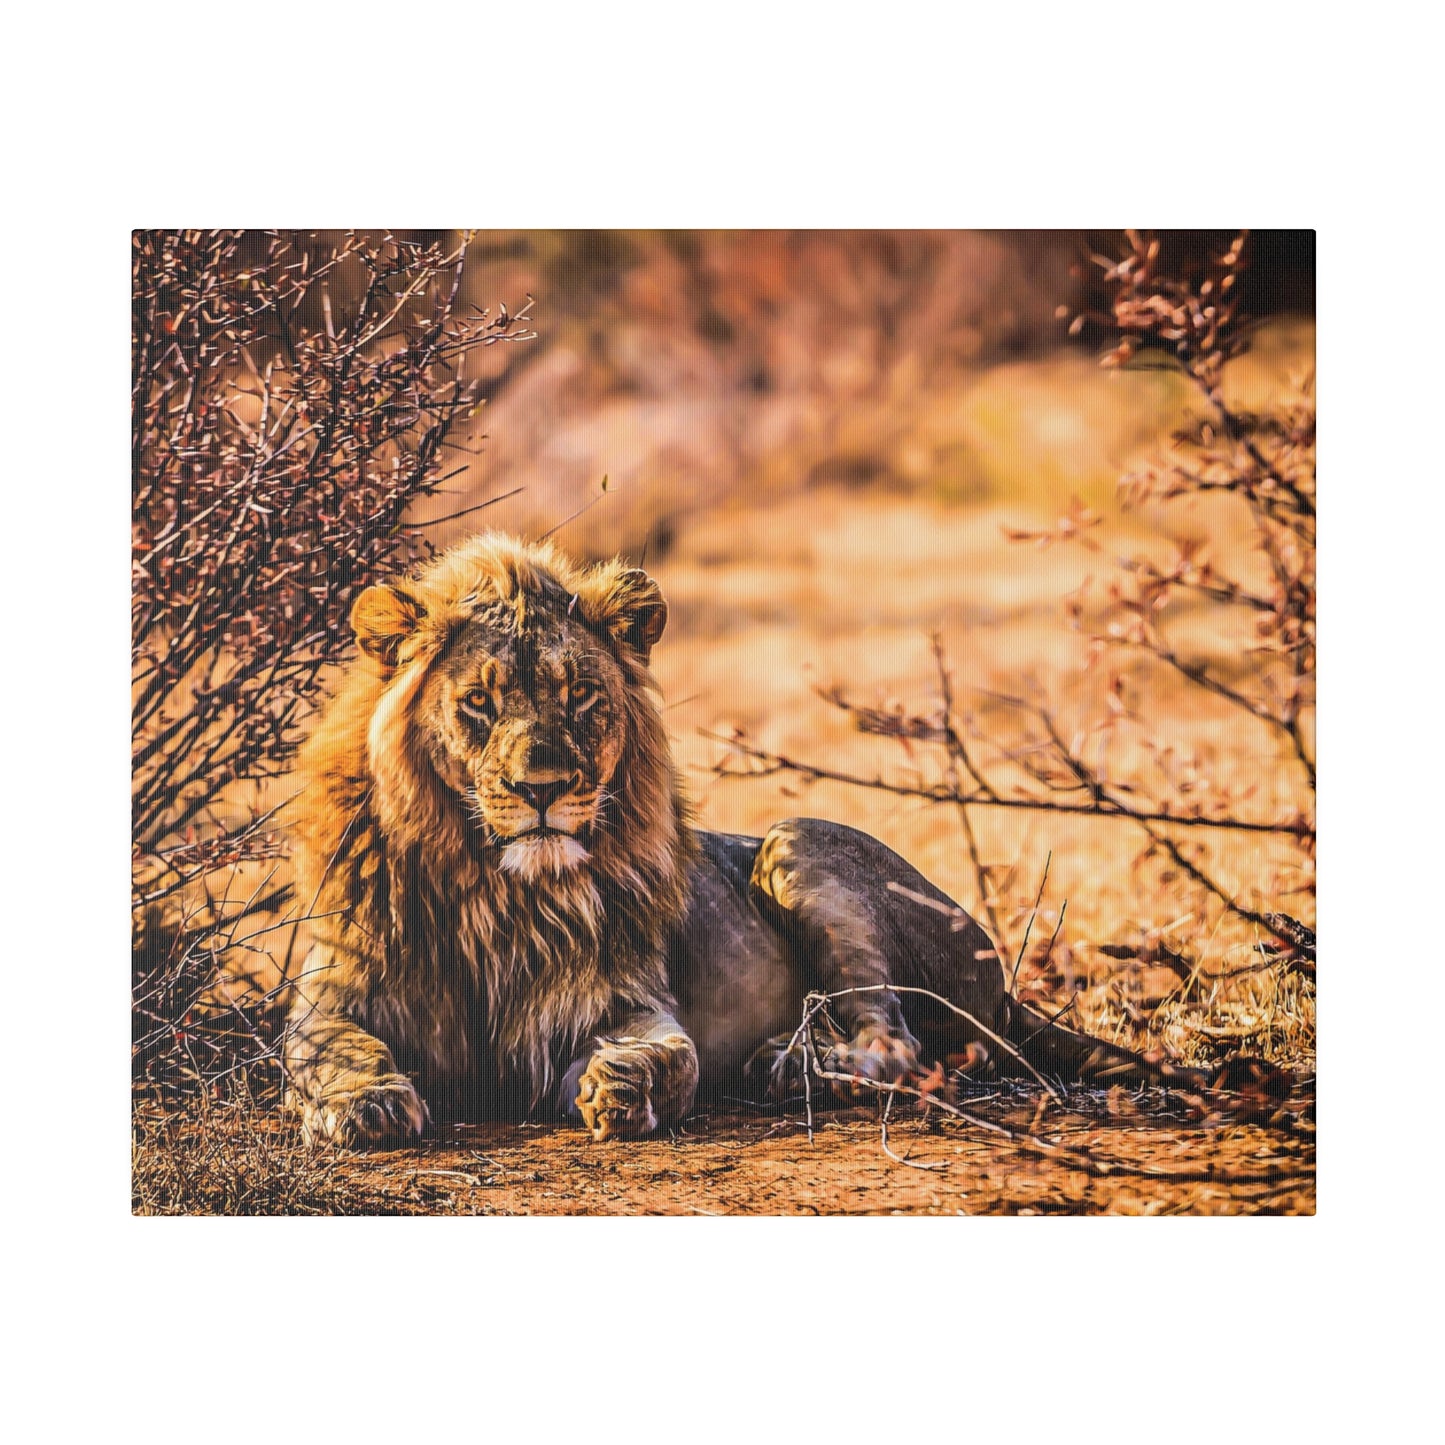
[1130, 1155]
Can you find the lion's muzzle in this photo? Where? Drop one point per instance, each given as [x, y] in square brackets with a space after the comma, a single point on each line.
[541, 794]
[538, 823]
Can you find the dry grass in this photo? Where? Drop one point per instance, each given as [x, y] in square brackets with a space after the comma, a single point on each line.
[239, 1158]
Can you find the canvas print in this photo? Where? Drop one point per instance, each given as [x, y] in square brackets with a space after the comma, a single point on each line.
[723, 722]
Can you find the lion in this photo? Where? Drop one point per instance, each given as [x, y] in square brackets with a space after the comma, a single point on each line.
[515, 914]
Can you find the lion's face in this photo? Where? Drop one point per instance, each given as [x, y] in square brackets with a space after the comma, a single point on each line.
[514, 683]
[525, 723]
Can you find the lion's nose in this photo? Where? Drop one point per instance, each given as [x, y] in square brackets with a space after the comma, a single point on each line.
[542, 795]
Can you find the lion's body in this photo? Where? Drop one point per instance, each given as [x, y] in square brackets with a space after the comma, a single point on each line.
[513, 911]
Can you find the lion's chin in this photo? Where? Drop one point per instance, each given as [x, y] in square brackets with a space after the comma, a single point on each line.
[536, 856]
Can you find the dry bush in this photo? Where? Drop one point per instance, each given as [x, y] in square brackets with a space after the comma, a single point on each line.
[1255, 659]
[1209, 630]
[280, 433]
[273, 464]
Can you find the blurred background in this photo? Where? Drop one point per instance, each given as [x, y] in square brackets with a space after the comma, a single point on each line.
[699, 371]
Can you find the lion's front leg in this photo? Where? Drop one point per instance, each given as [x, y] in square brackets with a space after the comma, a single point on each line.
[344, 1081]
[638, 1080]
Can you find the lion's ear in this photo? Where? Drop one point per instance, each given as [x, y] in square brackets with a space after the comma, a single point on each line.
[627, 604]
[644, 612]
[383, 619]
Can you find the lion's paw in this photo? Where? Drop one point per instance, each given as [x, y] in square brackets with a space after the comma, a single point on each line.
[872, 1056]
[630, 1085]
[386, 1110]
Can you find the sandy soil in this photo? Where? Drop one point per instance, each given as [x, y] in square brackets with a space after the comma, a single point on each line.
[1147, 1158]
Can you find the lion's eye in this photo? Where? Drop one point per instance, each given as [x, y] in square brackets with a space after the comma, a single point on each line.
[581, 696]
[477, 702]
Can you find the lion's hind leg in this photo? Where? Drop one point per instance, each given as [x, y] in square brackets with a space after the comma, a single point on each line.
[826, 889]
[828, 912]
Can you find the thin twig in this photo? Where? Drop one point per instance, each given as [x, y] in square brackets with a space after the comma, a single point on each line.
[811, 772]
[467, 511]
[898, 1158]
[567, 521]
[1079, 1158]
[1029, 927]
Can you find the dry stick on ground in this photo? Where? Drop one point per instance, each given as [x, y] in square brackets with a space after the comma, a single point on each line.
[963, 1013]
[1081, 1159]
[899, 1158]
[471, 1179]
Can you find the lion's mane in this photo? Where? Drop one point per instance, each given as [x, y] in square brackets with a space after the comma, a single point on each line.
[484, 981]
